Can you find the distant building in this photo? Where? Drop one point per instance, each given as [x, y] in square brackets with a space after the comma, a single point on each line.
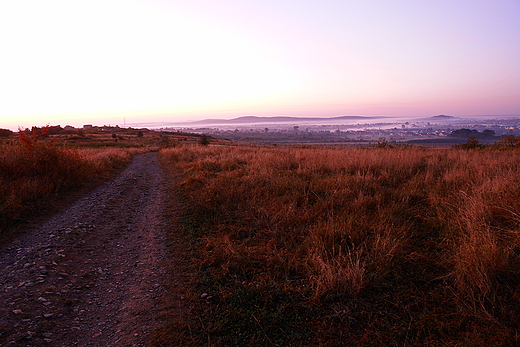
[69, 127]
[88, 127]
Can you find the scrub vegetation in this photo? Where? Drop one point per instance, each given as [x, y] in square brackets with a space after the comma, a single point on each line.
[349, 247]
[42, 166]
[37, 171]
[389, 245]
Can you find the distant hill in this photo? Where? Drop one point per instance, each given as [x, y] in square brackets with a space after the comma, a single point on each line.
[469, 118]
[442, 117]
[275, 119]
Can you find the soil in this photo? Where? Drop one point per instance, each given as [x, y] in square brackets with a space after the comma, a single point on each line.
[98, 272]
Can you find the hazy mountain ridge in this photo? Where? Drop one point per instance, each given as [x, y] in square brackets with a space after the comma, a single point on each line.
[442, 116]
[275, 119]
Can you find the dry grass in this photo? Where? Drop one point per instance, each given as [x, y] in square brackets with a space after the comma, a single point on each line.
[35, 173]
[310, 246]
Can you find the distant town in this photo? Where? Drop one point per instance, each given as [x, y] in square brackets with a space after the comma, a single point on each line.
[441, 130]
[438, 130]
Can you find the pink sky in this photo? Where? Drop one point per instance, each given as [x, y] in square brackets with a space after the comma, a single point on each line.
[102, 61]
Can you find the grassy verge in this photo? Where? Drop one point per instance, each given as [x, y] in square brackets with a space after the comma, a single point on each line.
[339, 247]
[35, 174]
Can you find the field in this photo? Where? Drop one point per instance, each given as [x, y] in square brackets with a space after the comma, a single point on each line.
[39, 168]
[295, 246]
[349, 247]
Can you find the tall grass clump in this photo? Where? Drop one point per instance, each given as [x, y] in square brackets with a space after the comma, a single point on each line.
[381, 246]
[34, 172]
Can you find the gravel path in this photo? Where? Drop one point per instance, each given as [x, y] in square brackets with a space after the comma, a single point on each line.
[92, 274]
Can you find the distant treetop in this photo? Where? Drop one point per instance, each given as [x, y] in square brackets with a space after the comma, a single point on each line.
[465, 133]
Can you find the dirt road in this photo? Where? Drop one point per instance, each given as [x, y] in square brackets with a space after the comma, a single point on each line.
[92, 274]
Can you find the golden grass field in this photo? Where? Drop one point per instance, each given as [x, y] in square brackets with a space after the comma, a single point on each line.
[35, 173]
[38, 168]
[316, 246]
[350, 247]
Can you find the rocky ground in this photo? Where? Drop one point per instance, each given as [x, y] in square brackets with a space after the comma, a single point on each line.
[94, 273]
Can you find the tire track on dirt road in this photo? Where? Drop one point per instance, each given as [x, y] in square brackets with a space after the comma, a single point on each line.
[91, 275]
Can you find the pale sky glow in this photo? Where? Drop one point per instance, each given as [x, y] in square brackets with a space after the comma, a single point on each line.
[99, 61]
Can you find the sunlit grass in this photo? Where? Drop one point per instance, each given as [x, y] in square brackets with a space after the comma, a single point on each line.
[335, 246]
[35, 173]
